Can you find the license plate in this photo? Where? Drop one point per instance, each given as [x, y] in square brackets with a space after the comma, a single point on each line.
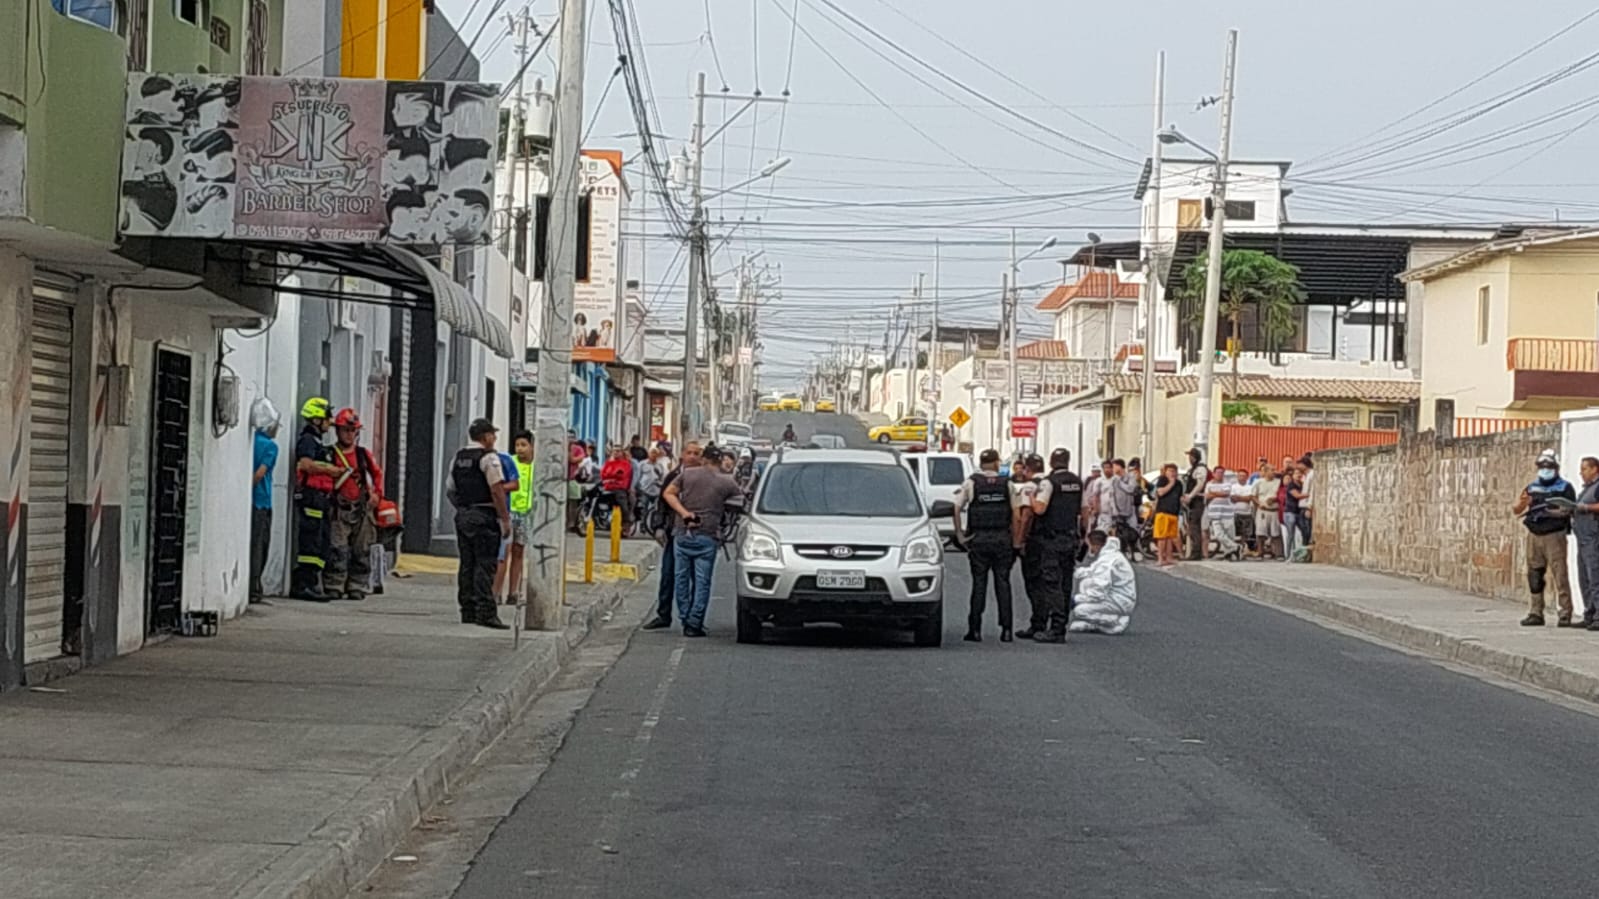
[841, 580]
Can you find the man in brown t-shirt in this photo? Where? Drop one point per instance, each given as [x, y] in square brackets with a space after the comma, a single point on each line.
[697, 496]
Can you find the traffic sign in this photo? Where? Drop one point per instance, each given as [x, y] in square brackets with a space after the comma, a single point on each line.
[958, 417]
[1024, 426]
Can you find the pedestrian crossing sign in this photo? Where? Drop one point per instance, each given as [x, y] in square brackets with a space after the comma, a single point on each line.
[959, 417]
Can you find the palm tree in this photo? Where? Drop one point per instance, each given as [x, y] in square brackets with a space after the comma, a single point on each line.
[1250, 278]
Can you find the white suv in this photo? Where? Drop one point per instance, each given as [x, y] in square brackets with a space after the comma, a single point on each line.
[839, 536]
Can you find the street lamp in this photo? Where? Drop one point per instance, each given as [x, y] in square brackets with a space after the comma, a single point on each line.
[767, 171]
[1170, 136]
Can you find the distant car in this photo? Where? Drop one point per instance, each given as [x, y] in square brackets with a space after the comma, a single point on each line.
[906, 430]
[790, 403]
[734, 433]
[827, 441]
[770, 404]
[826, 406]
[839, 536]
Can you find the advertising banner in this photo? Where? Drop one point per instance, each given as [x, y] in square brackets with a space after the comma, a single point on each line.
[597, 299]
[326, 159]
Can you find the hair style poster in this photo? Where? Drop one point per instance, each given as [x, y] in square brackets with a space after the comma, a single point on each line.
[326, 159]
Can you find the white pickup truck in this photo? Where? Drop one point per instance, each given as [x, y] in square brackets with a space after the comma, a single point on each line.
[939, 476]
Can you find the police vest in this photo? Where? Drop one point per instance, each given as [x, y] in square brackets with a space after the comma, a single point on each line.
[990, 510]
[1065, 508]
[471, 487]
[1540, 517]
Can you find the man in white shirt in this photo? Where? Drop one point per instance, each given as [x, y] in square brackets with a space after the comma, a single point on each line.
[1267, 528]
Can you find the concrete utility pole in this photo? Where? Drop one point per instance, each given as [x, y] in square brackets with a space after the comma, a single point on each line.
[687, 427]
[911, 388]
[546, 574]
[1010, 289]
[1146, 447]
[1218, 222]
[934, 363]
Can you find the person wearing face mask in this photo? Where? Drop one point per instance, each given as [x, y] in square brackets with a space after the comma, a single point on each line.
[1544, 509]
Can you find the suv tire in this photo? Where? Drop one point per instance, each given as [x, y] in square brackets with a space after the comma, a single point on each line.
[930, 630]
[749, 626]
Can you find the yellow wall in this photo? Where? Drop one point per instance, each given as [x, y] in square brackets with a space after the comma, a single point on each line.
[1553, 291]
[1456, 366]
[383, 39]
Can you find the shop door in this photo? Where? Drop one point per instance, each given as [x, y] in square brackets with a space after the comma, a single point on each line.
[49, 416]
[169, 480]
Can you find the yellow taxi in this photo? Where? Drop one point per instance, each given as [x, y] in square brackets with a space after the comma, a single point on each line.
[825, 406]
[906, 430]
[770, 404]
[791, 403]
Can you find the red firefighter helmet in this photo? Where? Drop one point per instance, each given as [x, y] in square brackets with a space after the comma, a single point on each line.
[347, 418]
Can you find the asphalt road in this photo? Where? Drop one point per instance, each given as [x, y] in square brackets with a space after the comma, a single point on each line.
[1217, 749]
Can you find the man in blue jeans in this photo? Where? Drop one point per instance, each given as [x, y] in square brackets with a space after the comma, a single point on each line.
[666, 593]
[698, 497]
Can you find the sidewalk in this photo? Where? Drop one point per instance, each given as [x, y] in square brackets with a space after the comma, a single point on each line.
[1473, 631]
[283, 758]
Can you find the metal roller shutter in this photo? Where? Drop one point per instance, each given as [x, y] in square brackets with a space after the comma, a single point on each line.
[49, 417]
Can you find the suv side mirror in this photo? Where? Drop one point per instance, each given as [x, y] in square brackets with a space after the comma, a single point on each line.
[942, 508]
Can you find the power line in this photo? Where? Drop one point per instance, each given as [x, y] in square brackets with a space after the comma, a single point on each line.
[710, 39]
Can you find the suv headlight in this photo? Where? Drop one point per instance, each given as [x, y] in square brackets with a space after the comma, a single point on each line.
[759, 546]
[922, 549]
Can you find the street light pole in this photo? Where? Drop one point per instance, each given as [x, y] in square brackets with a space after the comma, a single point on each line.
[1146, 447]
[1213, 273]
[686, 429]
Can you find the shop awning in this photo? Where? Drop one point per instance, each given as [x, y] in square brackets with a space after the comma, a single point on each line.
[415, 279]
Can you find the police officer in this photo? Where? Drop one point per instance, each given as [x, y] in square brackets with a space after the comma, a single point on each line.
[1058, 509]
[482, 521]
[988, 542]
[313, 499]
[1026, 480]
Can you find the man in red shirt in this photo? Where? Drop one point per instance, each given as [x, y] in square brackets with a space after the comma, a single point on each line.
[616, 479]
[356, 491]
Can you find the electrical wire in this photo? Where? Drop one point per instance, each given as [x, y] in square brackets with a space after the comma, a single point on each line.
[710, 38]
[600, 106]
[510, 86]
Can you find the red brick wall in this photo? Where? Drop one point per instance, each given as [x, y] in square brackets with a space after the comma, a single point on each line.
[1436, 510]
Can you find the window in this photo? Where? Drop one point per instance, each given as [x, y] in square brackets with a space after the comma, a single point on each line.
[914, 463]
[1484, 298]
[189, 11]
[1190, 215]
[107, 14]
[1385, 421]
[1241, 210]
[1324, 418]
[945, 471]
[854, 489]
[541, 236]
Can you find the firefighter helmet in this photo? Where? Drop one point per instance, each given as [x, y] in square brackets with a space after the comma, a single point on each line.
[347, 418]
[315, 407]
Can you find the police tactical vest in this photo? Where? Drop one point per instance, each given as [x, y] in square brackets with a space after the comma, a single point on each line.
[471, 487]
[990, 509]
[1065, 504]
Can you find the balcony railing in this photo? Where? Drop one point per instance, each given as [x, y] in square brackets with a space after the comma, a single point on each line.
[1550, 354]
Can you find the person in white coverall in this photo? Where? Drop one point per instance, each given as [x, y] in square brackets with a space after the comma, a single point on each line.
[1105, 591]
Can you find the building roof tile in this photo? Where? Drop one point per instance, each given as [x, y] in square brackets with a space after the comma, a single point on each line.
[1370, 390]
[1096, 285]
[1043, 349]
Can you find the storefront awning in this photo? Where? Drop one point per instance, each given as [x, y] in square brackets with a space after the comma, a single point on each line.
[400, 269]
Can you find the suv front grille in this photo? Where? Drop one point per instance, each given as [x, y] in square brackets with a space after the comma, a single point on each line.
[825, 551]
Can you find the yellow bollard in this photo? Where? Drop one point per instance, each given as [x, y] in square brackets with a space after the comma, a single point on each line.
[616, 536]
[588, 554]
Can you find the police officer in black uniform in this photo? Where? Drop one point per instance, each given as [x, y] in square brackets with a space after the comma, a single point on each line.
[1058, 508]
[482, 521]
[987, 539]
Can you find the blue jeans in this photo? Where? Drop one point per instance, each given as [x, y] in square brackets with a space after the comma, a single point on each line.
[695, 563]
[667, 591]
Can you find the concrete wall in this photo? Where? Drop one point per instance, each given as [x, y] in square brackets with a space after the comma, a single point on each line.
[1436, 510]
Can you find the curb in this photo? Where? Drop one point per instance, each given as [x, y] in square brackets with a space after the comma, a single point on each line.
[342, 853]
[1465, 651]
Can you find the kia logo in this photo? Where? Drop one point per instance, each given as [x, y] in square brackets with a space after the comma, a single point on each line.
[841, 552]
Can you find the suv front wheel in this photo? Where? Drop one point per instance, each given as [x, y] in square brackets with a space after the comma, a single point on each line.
[930, 630]
[749, 626]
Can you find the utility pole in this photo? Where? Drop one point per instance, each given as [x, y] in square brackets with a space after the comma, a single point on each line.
[713, 348]
[687, 427]
[1146, 447]
[1218, 222]
[546, 563]
[1010, 289]
[935, 364]
[914, 387]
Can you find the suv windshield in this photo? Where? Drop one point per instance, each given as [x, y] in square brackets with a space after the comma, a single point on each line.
[851, 489]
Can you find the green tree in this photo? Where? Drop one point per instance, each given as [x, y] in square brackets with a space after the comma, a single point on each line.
[1239, 410]
[1249, 278]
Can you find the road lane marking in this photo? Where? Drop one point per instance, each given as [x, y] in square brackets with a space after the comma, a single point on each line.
[605, 841]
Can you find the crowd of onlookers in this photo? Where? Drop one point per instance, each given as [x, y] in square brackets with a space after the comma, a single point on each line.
[629, 478]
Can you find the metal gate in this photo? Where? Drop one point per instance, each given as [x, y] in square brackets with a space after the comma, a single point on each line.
[169, 482]
[49, 418]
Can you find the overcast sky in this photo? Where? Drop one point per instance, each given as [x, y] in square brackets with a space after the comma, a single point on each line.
[1316, 84]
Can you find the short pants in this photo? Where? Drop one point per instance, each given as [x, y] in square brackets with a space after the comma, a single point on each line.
[522, 529]
[1165, 526]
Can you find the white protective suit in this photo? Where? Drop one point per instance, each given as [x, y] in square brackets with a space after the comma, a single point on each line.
[1104, 593]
